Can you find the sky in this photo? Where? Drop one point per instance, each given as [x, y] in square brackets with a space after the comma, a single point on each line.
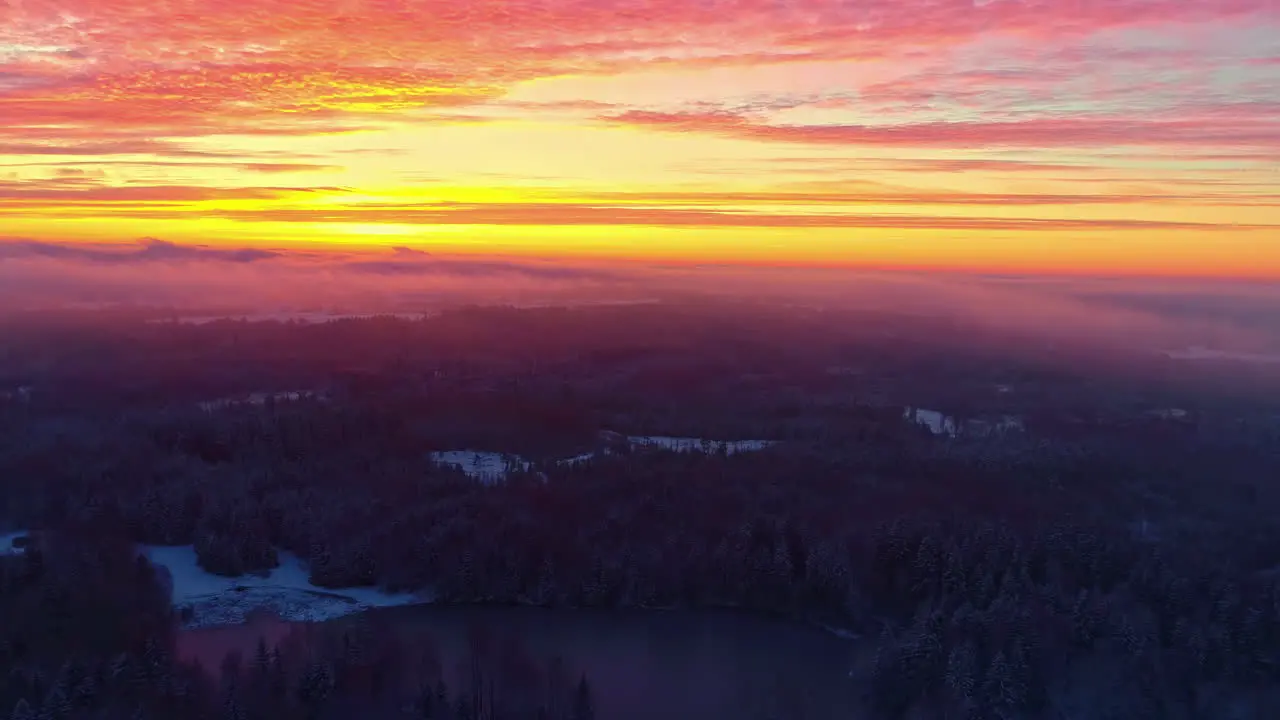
[1079, 137]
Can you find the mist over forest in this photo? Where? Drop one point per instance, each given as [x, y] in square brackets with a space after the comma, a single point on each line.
[1001, 497]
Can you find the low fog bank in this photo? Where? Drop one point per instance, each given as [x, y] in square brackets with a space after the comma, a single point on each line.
[1195, 320]
[153, 273]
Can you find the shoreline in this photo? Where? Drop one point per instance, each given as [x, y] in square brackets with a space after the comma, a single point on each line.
[357, 608]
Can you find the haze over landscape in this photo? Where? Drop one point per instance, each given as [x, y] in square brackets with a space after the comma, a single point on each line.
[639, 360]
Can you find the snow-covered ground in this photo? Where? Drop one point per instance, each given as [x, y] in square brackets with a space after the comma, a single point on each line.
[677, 444]
[259, 398]
[937, 423]
[1003, 425]
[285, 591]
[693, 444]
[6, 542]
[493, 467]
[940, 424]
[577, 459]
[487, 467]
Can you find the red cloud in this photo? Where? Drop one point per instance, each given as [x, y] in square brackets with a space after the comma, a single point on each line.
[188, 67]
[35, 146]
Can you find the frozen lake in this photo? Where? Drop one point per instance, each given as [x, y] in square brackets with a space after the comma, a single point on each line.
[286, 591]
[7, 541]
[674, 665]
[492, 467]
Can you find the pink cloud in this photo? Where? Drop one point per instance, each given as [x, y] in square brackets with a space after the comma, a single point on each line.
[28, 194]
[1049, 132]
[262, 167]
[188, 67]
[37, 146]
[846, 193]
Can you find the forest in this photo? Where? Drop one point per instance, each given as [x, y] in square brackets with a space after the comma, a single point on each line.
[1101, 564]
[94, 639]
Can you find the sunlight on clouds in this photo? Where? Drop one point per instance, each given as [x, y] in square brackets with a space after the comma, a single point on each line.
[502, 154]
[937, 134]
[705, 84]
[388, 229]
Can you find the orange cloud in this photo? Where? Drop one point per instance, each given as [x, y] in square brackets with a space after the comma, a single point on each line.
[875, 194]
[56, 192]
[1124, 118]
[579, 214]
[1246, 132]
[217, 62]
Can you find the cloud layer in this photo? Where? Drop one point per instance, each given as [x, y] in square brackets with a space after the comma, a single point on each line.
[942, 121]
[186, 67]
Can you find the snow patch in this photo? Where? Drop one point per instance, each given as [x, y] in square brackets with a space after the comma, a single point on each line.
[940, 424]
[487, 467]
[259, 399]
[492, 467]
[286, 591]
[693, 444]
[6, 542]
[1002, 425]
[675, 444]
[937, 423]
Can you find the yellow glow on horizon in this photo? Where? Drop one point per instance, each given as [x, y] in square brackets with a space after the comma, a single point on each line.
[887, 159]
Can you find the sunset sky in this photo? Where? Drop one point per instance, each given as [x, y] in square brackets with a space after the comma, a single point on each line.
[1079, 136]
